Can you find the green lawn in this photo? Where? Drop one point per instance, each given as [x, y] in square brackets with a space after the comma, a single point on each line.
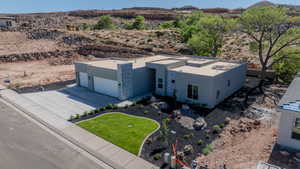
[127, 132]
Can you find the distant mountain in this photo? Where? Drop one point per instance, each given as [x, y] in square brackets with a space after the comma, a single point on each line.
[187, 8]
[264, 3]
[270, 4]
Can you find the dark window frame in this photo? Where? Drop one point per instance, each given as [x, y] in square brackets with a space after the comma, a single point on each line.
[160, 84]
[228, 83]
[218, 94]
[192, 92]
[296, 130]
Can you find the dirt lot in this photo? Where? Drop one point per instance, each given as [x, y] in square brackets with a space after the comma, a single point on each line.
[35, 73]
[241, 150]
[17, 42]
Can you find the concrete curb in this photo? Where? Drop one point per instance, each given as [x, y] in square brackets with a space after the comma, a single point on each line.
[142, 145]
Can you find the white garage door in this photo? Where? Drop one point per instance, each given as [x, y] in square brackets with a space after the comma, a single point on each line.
[106, 86]
[84, 80]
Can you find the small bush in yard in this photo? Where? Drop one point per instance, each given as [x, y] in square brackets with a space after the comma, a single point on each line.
[91, 112]
[126, 106]
[207, 149]
[71, 118]
[102, 108]
[216, 129]
[200, 142]
[114, 106]
[146, 112]
[188, 149]
[157, 156]
[97, 111]
[77, 116]
[188, 136]
[85, 113]
[110, 106]
[222, 125]
[207, 136]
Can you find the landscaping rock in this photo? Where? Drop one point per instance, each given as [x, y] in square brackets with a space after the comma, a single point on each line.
[185, 107]
[163, 106]
[199, 124]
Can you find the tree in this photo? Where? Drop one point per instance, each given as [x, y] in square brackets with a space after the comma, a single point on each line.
[105, 22]
[205, 33]
[275, 37]
[210, 31]
[138, 24]
[286, 69]
[165, 131]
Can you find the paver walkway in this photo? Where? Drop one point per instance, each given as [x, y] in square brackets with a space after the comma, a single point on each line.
[103, 150]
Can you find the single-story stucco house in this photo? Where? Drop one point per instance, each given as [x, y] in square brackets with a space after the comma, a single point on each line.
[289, 106]
[7, 22]
[195, 80]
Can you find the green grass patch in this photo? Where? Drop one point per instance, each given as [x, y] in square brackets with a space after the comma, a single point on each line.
[127, 132]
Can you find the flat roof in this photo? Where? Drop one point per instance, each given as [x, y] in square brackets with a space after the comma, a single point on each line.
[200, 61]
[166, 62]
[208, 70]
[291, 99]
[137, 63]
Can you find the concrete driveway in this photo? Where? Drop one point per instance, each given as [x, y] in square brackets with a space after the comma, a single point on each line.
[70, 101]
[25, 144]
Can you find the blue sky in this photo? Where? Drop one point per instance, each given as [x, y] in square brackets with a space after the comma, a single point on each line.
[27, 6]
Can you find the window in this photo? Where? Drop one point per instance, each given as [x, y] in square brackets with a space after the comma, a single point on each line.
[195, 92]
[218, 94]
[173, 81]
[228, 83]
[192, 92]
[160, 83]
[296, 129]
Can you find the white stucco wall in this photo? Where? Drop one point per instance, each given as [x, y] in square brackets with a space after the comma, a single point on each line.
[287, 121]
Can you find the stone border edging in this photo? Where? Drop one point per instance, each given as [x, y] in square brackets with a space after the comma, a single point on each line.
[142, 145]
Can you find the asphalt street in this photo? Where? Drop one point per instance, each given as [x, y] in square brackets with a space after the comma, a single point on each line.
[26, 144]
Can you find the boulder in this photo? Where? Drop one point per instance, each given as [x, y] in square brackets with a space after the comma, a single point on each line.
[199, 124]
[163, 105]
[185, 107]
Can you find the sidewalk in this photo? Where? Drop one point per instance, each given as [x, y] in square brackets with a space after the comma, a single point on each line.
[110, 154]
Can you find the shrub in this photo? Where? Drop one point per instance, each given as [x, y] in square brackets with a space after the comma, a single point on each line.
[146, 112]
[157, 156]
[216, 129]
[97, 111]
[166, 25]
[207, 136]
[139, 23]
[114, 106]
[180, 155]
[85, 113]
[105, 22]
[200, 142]
[207, 149]
[71, 118]
[91, 112]
[102, 108]
[77, 116]
[110, 106]
[188, 149]
[188, 136]
[126, 106]
[222, 125]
